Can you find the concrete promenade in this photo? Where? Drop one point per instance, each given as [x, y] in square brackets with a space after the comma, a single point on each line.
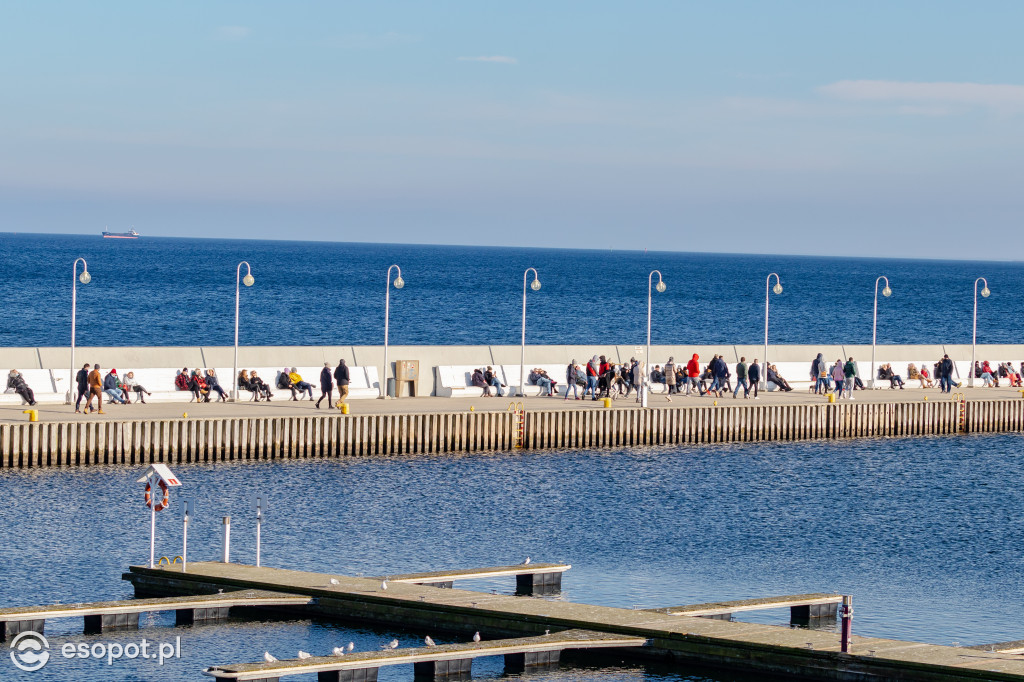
[433, 405]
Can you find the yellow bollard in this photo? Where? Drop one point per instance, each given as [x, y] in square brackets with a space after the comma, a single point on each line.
[607, 402]
[926, 398]
[715, 403]
[831, 397]
[33, 415]
[344, 408]
[184, 415]
[472, 409]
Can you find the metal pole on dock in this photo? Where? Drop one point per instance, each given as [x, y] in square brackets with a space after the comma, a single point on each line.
[399, 283]
[847, 624]
[522, 358]
[645, 378]
[248, 281]
[887, 292]
[259, 526]
[778, 290]
[84, 278]
[974, 328]
[188, 509]
[152, 526]
[226, 553]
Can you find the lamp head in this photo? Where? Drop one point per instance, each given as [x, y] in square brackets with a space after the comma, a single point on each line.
[248, 280]
[660, 286]
[985, 292]
[535, 285]
[777, 288]
[85, 277]
[887, 292]
[399, 282]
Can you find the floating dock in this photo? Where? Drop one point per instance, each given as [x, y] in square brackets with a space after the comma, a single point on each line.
[176, 441]
[675, 639]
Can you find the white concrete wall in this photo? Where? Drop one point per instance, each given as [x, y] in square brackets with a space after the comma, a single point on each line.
[128, 358]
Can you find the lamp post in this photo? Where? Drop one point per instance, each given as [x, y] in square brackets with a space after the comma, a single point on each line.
[778, 290]
[84, 278]
[887, 292]
[660, 286]
[974, 326]
[247, 281]
[535, 285]
[399, 283]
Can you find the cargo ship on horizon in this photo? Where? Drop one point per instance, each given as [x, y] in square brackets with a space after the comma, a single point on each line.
[130, 234]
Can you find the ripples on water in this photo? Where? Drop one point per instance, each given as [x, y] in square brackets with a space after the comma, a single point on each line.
[925, 533]
[170, 292]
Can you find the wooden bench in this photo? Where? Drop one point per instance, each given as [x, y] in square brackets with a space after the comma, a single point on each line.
[106, 615]
[530, 578]
[802, 607]
[434, 662]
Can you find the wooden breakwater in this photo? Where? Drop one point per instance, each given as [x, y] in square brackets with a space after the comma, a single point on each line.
[75, 443]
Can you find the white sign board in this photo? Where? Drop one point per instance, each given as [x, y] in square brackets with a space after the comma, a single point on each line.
[161, 472]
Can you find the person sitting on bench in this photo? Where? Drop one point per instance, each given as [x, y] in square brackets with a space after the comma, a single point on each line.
[284, 381]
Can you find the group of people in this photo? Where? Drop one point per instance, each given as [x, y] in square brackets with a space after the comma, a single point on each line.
[92, 384]
[488, 379]
[289, 379]
[202, 384]
[1005, 370]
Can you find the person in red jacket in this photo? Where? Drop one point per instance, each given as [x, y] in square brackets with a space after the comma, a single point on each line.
[692, 375]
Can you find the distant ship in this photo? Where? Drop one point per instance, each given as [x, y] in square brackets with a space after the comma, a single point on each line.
[130, 234]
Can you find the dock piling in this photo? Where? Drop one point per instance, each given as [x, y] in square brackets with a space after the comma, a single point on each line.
[847, 625]
[226, 548]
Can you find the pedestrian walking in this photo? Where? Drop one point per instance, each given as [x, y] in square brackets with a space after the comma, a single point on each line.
[326, 386]
[754, 377]
[741, 379]
[95, 389]
[341, 377]
[82, 380]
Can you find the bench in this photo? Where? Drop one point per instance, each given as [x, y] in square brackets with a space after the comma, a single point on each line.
[556, 372]
[41, 381]
[456, 381]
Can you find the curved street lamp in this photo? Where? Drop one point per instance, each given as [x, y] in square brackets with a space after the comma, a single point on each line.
[535, 285]
[660, 286]
[887, 292]
[778, 290]
[399, 283]
[247, 281]
[84, 278]
[974, 327]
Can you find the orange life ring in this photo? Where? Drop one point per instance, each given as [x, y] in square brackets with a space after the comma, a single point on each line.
[161, 505]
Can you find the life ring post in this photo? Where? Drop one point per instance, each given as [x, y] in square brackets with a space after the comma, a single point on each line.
[157, 476]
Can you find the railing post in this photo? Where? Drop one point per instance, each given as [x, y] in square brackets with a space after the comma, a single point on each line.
[847, 624]
[226, 554]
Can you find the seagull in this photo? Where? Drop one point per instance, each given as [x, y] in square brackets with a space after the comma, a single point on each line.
[547, 631]
[428, 641]
[476, 636]
[527, 561]
[335, 581]
[304, 655]
[383, 584]
[338, 651]
[350, 646]
[268, 658]
[393, 644]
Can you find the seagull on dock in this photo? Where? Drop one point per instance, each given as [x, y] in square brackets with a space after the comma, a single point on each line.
[393, 644]
[350, 646]
[476, 636]
[428, 641]
[338, 651]
[335, 581]
[384, 584]
[268, 658]
[304, 655]
[526, 562]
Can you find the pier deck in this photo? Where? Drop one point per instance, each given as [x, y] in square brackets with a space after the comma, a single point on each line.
[462, 652]
[811, 654]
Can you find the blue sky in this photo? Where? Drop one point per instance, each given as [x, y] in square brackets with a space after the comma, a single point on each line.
[874, 128]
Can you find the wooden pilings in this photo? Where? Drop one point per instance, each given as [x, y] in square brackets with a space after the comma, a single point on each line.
[175, 441]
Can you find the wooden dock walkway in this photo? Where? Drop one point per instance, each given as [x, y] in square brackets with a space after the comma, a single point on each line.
[530, 578]
[520, 653]
[100, 616]
[749, 647]
[801, 606]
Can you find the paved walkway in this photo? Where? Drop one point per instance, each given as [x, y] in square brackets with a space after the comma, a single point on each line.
[287, 408]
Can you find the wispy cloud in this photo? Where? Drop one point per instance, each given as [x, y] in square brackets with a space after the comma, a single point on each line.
[368, 41]
[930, 98]
[497, 59]
[233, 32]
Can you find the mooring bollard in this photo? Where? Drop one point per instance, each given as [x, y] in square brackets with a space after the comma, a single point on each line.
[33, 415]
[847, 624]
[226, 554]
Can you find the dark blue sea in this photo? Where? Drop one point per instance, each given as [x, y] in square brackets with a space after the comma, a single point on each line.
[925, 533]
[163, 291]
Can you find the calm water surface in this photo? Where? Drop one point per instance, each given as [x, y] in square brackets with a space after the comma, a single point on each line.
[165, 292]
[926, 533]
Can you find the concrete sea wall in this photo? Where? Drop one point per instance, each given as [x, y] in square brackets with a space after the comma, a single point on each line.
[58, 358]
